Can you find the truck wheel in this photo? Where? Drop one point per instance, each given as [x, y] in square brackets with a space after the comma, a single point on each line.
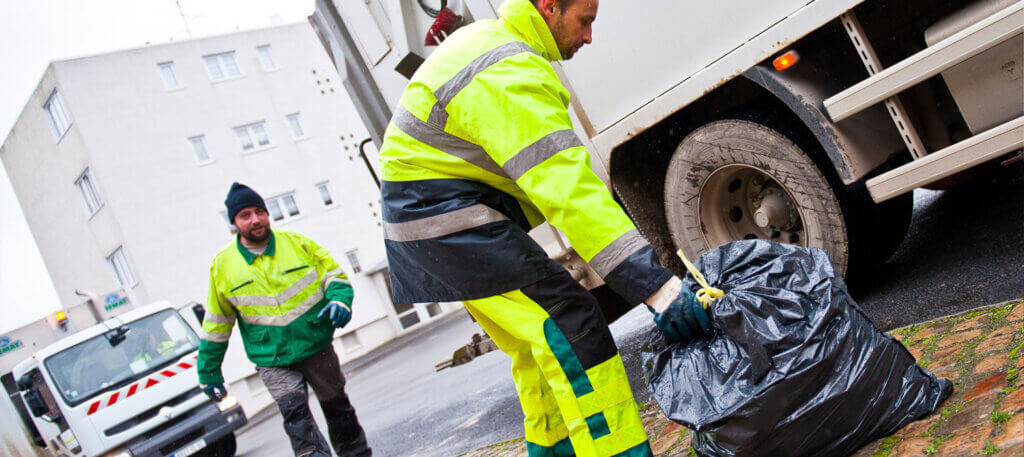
[224, 447]
[733, 179]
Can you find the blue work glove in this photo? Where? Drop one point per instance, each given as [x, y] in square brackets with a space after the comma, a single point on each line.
[684, 319]
[216, 392]
[338, 312]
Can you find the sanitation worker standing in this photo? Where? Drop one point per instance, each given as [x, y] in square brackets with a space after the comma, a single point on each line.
[287, 295]
[481, 149]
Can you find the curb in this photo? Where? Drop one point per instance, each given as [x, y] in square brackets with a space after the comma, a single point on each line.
[942, 318]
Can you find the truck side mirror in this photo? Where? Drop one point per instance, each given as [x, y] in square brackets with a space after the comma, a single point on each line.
[35, 402]
[117, 335]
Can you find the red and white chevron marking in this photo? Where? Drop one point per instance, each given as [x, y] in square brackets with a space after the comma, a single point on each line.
[143, 384]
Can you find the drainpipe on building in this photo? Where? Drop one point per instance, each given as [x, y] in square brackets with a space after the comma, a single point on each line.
[93, 302]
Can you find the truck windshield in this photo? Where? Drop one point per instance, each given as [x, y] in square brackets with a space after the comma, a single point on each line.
[93, 366]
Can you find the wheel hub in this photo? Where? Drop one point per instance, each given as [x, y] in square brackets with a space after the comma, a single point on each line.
[740, 202]
[775, 210]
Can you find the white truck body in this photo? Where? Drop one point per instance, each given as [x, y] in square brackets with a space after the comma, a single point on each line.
[138, 398]
[649, 58]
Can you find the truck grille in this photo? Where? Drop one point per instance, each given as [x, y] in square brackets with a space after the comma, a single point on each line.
[151, 412]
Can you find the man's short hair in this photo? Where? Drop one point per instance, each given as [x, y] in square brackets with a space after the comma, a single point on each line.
[563, 4]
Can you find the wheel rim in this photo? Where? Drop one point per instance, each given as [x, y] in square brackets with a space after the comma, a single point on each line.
[739, 202]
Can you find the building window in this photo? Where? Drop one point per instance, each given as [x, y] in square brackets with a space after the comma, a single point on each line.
[59, 121]
[252, 135]
[202, 154]
[353, 259]
[222, 66]
[122, 271]
[87, 190]
[295, 122]
[325, 193]
[266, 58]
[282, 207]
[169, 76]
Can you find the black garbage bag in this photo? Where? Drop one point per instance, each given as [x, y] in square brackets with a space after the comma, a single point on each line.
[793, 367]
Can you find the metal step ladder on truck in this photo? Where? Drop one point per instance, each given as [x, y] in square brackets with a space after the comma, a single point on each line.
[126, 387]
[801, 121]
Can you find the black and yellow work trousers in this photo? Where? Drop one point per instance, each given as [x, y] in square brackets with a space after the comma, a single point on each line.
[568, 373]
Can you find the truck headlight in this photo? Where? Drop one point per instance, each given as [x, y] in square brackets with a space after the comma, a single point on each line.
[227, 403]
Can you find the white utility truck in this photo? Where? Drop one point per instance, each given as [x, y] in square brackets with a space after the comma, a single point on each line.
[801, 121]
[126, 387]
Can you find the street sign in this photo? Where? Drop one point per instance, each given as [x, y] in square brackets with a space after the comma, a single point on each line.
[8, 345]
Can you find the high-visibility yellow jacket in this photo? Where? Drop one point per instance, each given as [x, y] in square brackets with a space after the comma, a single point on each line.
[481, 149]
[275, 297]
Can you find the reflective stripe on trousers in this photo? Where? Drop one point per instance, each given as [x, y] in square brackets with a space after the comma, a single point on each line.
[569, 376]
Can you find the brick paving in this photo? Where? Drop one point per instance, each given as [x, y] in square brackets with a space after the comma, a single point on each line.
[981, 351]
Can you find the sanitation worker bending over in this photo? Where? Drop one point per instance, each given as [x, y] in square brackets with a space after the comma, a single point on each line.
[287, 295]
[481, 149]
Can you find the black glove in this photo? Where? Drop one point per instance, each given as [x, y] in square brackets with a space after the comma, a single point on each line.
[216, 392]
[684, 319]
[337, 312]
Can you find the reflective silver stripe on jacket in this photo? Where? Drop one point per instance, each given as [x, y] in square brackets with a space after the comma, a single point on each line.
[330, 281]
[214, 337]
[448, 91]
[442, 224]
[333, 274]
[539, 151]
[287, 318]
[215, 318]
[617, 252]
[283, 297]
[443, 141]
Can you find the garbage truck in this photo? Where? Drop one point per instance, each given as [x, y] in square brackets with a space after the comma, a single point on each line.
[807, 122]
[126, 387]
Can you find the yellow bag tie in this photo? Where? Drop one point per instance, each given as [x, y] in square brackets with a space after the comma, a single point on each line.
[706, 294]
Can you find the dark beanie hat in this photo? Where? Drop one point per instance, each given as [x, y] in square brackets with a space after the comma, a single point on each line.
[240, 197]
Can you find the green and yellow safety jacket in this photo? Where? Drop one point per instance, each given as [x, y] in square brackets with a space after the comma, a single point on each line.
[481, 149]
[275, 297]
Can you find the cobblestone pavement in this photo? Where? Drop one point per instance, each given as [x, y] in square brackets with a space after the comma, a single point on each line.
[982, 351]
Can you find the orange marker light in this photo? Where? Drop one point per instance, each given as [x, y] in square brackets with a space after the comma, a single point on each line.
[786, 60]
[62, 320]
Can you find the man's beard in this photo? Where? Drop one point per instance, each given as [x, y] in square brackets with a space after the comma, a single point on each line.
[254, 239]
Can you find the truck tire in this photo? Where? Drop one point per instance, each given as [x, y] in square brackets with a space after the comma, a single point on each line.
[224, 447]
[735, 179]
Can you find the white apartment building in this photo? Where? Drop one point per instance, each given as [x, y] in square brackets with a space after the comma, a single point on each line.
[122, 161]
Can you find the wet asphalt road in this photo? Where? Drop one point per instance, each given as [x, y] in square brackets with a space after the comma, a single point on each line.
[965, 249]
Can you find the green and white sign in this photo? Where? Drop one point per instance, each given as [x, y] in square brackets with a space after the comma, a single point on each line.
[114, 301]
[8, 345]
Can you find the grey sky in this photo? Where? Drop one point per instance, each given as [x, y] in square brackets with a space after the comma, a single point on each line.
[35, 32]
